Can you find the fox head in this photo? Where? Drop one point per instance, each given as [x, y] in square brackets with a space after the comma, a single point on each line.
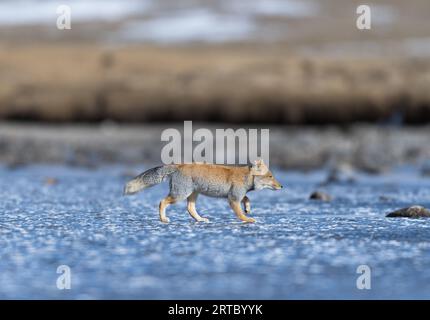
[266, 181]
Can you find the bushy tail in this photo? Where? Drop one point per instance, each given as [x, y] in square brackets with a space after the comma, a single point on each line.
[148, 179]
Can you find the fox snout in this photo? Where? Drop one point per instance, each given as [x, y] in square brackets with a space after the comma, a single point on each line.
[278, 186]
[267, 181]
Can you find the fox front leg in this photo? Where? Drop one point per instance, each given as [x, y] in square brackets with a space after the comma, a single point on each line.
[235, 205]
[246, 204]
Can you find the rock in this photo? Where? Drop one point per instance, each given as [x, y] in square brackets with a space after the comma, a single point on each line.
[425, 170]
[318, 195]
[410, 212]
[374, 169]
[50, 181]
[385, 198]
[16, 164]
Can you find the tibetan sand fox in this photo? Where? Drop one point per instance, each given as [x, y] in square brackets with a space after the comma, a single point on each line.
[187, 181]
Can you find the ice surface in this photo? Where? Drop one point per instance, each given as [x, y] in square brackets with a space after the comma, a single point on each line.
[117, 248]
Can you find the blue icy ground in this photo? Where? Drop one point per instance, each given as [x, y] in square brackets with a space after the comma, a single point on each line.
[117, 248]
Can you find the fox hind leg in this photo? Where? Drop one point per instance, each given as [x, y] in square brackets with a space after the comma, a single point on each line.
[173, 197]
[163, 205]
[246, 205]
[191, 206]
[235, 205]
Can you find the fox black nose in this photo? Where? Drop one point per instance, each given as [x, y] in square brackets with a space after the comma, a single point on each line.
[282, 186]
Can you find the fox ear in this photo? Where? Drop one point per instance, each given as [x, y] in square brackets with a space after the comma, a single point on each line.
[259, 168]
[259, 162]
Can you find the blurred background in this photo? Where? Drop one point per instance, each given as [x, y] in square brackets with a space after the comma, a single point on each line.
[268, 62]
[277, 61]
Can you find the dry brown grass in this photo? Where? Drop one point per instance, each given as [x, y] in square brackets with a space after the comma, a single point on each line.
[72, 82]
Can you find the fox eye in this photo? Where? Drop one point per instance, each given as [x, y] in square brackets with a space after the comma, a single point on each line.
[270, 176]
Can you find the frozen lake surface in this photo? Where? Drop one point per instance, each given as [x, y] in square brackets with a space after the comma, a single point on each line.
[117, 248]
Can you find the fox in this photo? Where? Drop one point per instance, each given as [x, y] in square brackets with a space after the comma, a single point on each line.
[187, 181]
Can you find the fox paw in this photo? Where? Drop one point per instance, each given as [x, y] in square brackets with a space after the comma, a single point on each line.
[250, 220]
[165, 220]
[203, 220]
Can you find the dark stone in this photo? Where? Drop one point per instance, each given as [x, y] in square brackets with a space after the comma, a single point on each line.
[318, 195]
[425, 170]
[385, 198]
[410, 212]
